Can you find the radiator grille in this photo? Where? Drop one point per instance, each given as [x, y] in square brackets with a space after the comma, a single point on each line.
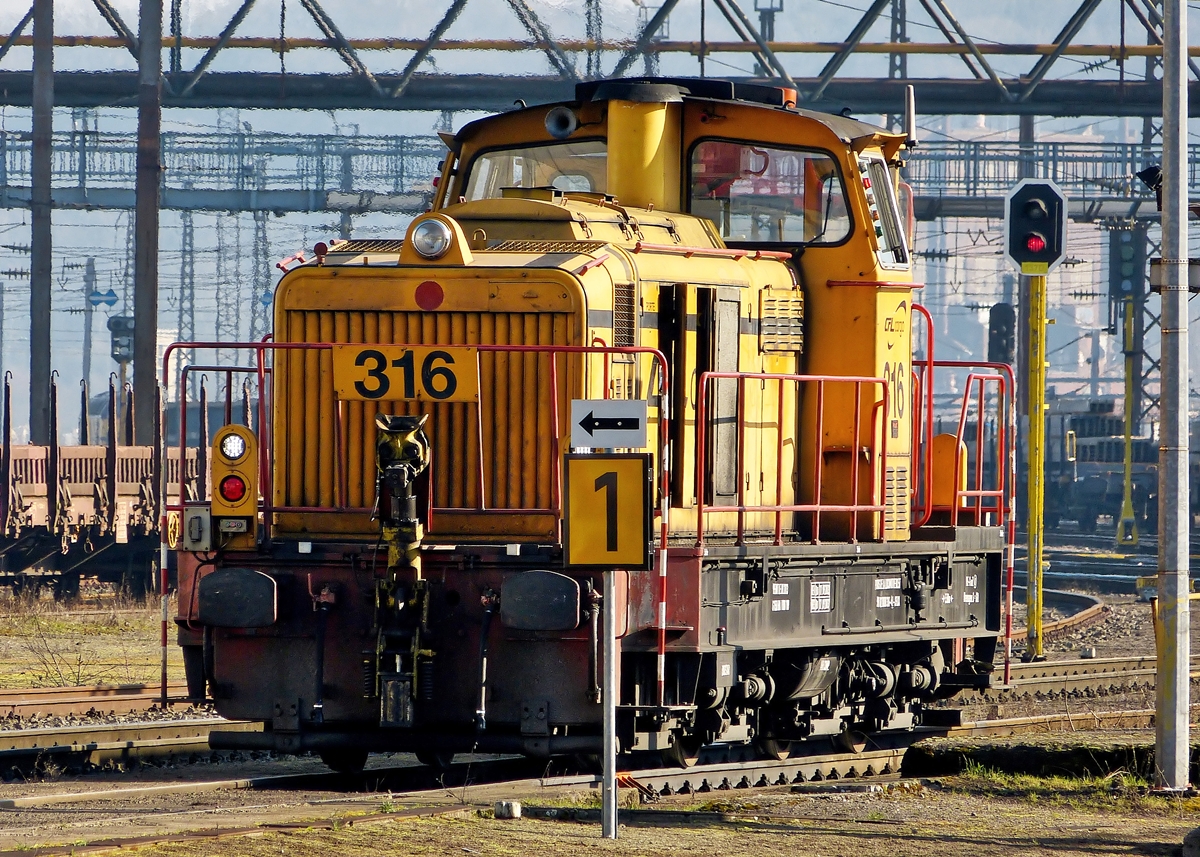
[517, 440]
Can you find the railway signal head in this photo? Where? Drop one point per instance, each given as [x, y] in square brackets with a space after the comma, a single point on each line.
[121, 327]
[1002, 334]
[1035, 226]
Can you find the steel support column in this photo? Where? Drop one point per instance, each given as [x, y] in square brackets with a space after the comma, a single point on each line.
[145, 264]
[40, 208]
[187, 299]
[3, 289]
[898, 62]
[1172, 691]
[89, 310]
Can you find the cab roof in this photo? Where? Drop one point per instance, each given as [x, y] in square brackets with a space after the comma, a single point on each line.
[675, 89]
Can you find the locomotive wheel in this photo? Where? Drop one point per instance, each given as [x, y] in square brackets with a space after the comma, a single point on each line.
[852, 740]
[350, 761]
[684, 752]
[775, 749]
[440, 759]
[589, 763]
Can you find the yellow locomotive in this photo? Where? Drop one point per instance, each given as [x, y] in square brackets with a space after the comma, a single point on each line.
[820, 563]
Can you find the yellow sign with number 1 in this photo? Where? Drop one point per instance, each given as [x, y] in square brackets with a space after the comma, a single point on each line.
[607, 510]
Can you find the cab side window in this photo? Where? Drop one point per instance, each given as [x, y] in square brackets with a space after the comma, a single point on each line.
[766, 193]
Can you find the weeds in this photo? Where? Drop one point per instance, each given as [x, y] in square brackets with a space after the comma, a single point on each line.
[590, 799]
[61, 662]
[1116, 789]
[68, 643]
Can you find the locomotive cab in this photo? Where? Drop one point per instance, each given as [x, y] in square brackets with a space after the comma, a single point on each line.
[739, 265]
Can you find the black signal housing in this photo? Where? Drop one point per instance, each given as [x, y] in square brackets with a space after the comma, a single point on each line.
[1035, 221]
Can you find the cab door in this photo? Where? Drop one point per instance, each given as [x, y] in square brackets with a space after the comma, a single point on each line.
[718, 325]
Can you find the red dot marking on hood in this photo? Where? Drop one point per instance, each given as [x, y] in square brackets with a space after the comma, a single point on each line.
[429, 296]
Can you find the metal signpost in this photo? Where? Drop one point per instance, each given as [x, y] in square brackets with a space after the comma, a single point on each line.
[1035, 230]
[607, 508]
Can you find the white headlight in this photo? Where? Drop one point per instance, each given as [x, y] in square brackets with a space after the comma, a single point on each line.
[233, 446]
[431, 238]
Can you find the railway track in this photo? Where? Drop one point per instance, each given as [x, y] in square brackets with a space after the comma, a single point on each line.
[1085, 609]
[84, 745]
[103, 699]
[881, 755]
[413, 791]
[25, 751]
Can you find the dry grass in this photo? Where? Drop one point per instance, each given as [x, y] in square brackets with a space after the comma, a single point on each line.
[112, 640]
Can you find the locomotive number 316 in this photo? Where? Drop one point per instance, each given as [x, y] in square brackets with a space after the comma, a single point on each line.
[394, 372]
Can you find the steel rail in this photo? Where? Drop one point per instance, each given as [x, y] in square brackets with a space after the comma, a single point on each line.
[97, 744]
[23, 702]
[1095, 677]
[883, 760]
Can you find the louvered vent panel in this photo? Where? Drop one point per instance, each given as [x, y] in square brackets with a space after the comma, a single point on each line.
[624, 315]
[896, 518]
[781, 322]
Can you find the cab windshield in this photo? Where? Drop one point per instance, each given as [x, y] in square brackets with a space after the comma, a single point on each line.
[575, 166]
[765, 193]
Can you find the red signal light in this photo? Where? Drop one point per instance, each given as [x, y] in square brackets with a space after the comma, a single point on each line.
[1035, 243]
[233, 489]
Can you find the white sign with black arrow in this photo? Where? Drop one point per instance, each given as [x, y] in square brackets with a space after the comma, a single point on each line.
[608, 423]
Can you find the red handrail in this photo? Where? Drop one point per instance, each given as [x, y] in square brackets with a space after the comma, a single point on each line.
[924, 411]
[1009, 419]
[816, 508]
[979, 493]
